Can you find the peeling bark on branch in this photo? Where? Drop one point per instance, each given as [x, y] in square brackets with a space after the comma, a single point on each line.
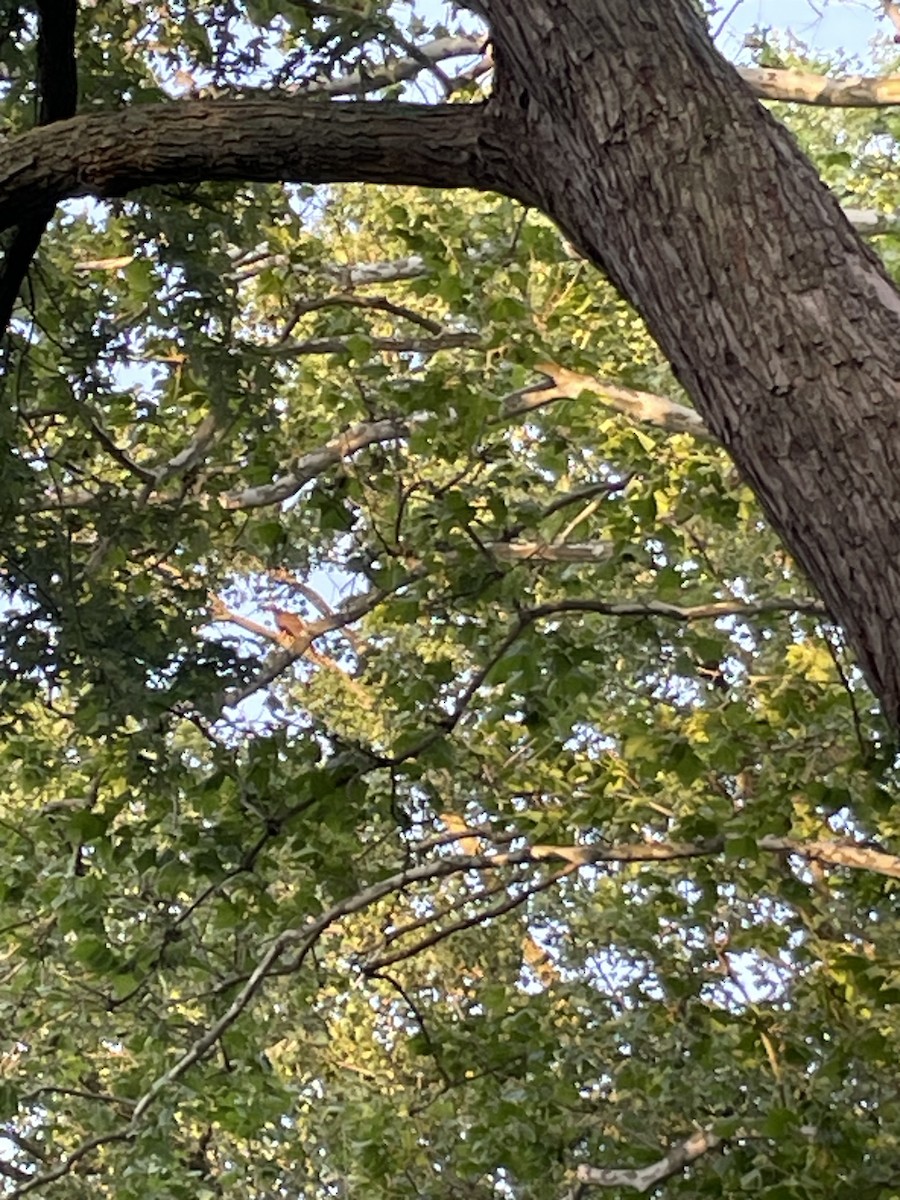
[646, 407]
[644, 1178]
[802, 87]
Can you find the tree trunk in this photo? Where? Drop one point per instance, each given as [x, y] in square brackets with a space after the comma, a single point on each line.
[653, 156]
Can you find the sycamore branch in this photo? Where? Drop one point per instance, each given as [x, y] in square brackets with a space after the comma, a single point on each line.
[802, 87]
[316, 462]
[249, 263]
[519, 550]
[646, 407]
[398, 70]
[246, 264]
[640, 406]
[642, 1179]
[853, 855]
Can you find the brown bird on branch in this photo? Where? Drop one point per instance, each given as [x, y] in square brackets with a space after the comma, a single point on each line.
[290, 624]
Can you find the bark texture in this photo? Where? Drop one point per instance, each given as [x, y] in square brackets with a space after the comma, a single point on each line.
[294, 140]
[656, 160]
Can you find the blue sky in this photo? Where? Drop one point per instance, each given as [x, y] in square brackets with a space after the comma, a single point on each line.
[823, 25]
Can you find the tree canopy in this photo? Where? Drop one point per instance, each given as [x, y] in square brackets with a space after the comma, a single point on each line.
[425, 771]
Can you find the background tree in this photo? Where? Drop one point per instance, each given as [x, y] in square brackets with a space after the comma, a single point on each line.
[424, 770]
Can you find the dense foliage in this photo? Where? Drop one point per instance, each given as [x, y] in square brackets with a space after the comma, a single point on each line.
[522, 848]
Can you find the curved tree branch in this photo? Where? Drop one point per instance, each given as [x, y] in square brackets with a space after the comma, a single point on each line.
[642, 1179]
[286, 140]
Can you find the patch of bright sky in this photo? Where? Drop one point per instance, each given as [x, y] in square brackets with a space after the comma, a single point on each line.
[828, 27]
[825, 26]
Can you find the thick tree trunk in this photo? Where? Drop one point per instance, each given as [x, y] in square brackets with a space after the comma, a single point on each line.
[658, 163]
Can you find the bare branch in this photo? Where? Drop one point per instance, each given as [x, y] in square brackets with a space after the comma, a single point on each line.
[316, 462]
[192, 454]
[358, 83]
[642, 1179]
[541, 552]
[647, 407]
[801, 87]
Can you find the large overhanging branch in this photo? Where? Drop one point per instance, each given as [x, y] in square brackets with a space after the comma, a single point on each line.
[283, 140]
[304, 141]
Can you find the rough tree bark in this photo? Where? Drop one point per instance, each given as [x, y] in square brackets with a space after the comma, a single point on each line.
[623, 124]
